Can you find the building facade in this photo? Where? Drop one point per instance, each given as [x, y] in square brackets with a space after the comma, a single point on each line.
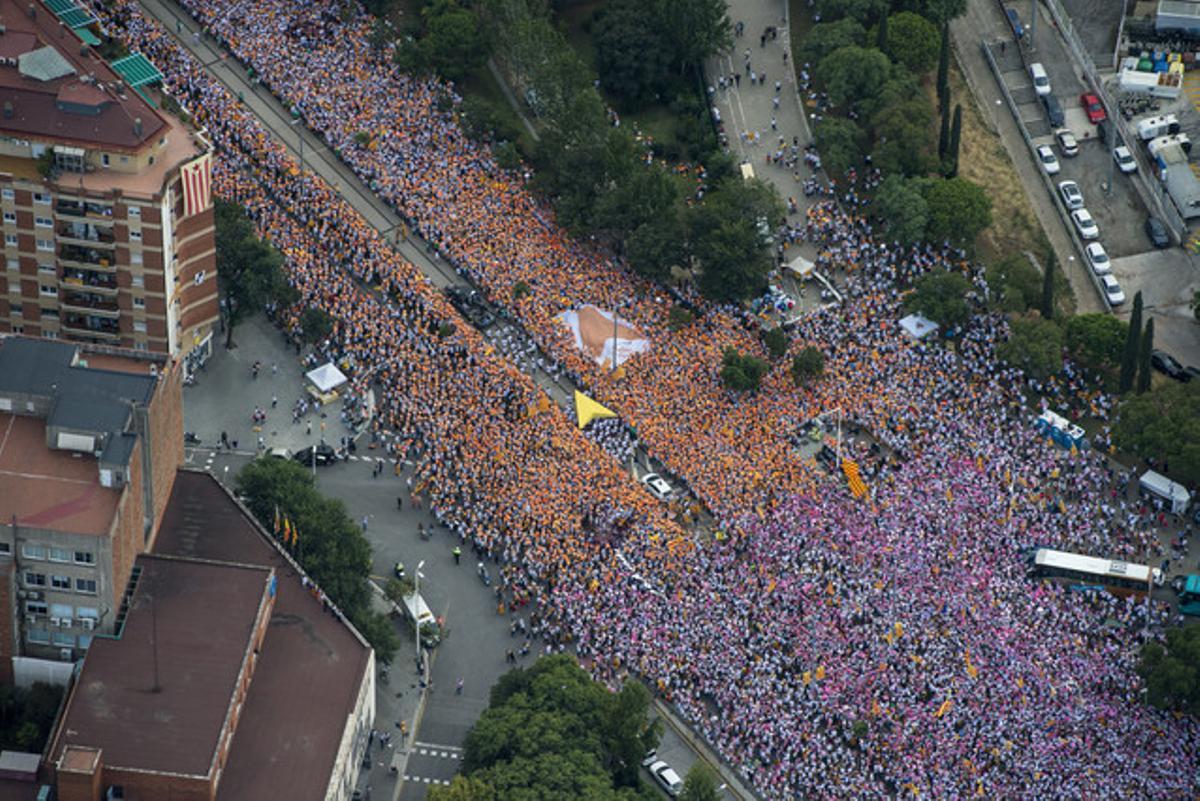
[106, 201]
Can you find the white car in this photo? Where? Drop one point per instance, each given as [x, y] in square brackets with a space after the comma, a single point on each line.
[1072, 198]
[1049, 162]
[1067, 142]
[667, 778]
[1084, 224]
[1125, 160]
[1041, 81]
[1097, 258]
[1112, 290]
[658, 486]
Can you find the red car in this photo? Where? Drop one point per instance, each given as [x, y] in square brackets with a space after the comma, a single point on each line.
[1091, 104]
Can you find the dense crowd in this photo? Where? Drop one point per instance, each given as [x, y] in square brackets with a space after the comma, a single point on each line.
[908, 612]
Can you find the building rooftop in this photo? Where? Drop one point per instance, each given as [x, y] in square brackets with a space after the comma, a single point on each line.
[50, 489]
[49, 369]
[195, 621]
[51, 58]
[311, 667]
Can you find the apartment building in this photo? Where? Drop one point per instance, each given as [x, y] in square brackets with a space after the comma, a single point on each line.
[105, 197]
[90, 439]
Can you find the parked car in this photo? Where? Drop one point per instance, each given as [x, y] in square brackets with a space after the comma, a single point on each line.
[1097, 258]
[1084, 224]
[1166, 364]
[1125, 160]
[1068, 143]
[1049, 162]
[1054, 111]
[324, 454]
[1112, 290]
[658, 486]
[1157, 232]
[1041, 81]
[279, 453]
[1014, 22]
[666, 777]
[1072, 198]
[1093, 108]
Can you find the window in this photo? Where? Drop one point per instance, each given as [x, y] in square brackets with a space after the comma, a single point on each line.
[137, 279]
[5, 547]
[199, 279]
[135, 236]
[85, 585]
[10, 240]
[45, 245]
[38, 197]
[46, 268]
[44, 222]
[35, 579]
[84, 558]
[139, 303]
[59, 555]
[60, 582]
[48, 289]
[14, 264]
[49, 335]
[140, 346]
[62, 610]
[36, 608]
[88, 611]
[48, 312]
[31, 551]
[139, 326]
[84, 641]
[10, 217]
[104, 159]
[135, 211]
[8, 194]
[38, 636]
[135, 258]
[64, 640]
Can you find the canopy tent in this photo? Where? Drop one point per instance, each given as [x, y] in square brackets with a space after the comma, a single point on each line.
[587, 410]
[326, 378]
[918, 327]
[801, 267]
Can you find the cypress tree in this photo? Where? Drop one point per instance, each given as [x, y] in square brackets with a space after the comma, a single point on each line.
[1147, 345]
[881, 34]
[1132, 342]
[955, 140]
[944, 138]
[943, 73]
[1048, 288]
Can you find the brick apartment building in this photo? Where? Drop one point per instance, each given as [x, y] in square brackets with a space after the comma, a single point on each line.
[228, 679]
[106, 201]
[90, 439]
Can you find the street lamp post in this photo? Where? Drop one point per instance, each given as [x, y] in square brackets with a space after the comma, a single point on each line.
[416, 622]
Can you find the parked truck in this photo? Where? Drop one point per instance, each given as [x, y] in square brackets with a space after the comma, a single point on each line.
[1189, 596]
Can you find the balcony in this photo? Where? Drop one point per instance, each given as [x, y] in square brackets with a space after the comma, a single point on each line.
[85, 232]
[88, 325]
[88, 303]
[78, 208]
[87, 257]
[97, 282]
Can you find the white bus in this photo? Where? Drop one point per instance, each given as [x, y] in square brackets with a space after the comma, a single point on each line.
[1092, 573]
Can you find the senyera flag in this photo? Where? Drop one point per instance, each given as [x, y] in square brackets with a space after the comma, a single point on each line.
[197, 185]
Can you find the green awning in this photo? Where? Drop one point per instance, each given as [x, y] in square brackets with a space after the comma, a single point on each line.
[145, 97]
[87, 36]
[137, 70]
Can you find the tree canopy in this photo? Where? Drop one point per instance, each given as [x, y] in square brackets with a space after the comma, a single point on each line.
[958, 210]
[700, 784]
[942, 297]
[730, 234]
[1096, 340]
[840, 144]
[900, 205]
[852, 75]
[742, 372]
[913, 41]
[249, 271]
[551, 732]
[330, 547]
[1035, 345]
[1165, 425]
[1172, 673]
[1014, 283]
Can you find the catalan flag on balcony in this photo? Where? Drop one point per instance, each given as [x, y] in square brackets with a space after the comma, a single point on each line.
[196, 179]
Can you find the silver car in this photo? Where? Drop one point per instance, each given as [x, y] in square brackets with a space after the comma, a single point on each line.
[1084, 224]
[1072, 198]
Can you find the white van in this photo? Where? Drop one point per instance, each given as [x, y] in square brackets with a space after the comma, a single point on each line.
[1041, 81]
[1161, 125]
[1159, 142]
[1175, 496]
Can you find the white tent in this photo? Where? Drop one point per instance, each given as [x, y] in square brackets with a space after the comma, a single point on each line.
[801, 266]
[918, 327]
[326, 378]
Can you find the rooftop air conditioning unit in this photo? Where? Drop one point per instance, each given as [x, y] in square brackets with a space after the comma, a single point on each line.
[56, 621]
[67, 622]
[88, 623]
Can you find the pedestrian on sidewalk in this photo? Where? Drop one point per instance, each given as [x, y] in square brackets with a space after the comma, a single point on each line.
[457, 554]
[458, 688]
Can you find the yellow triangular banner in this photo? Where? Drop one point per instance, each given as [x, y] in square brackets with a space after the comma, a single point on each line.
[587, 410]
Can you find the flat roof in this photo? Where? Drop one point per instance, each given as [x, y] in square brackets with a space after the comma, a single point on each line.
[311, 667]
[35, 110]
[50, 489]
[197, 621]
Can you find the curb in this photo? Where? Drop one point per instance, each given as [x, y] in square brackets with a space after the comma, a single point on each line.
[733, 783]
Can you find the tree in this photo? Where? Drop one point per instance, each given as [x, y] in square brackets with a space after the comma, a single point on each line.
[840, 144]
[1145, 371]
[1014, 283]
[1048, 306]
[638, 196]
[1035, 345]
[825, 37]
[696, 29]
[942, 11]
[1132, 347]
[958, 210]
[742, 372]
[1164, 425]
[657, 246]
[27, 715]
[913, 41]
[1096, 340]
[902, 138]
[463, 789]
[315, 324]
[861, 10]
[731, 236]
[249, 271]
[944, 137]
[941, 296]
[1172, 673]
[852, 75]
[452, 44]
[776, 342]
[900, 205]
[700, 784]
[551, 732]
[881, 34]
[809, 363]
[955, 142]
[943, 71]
[632, 57]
